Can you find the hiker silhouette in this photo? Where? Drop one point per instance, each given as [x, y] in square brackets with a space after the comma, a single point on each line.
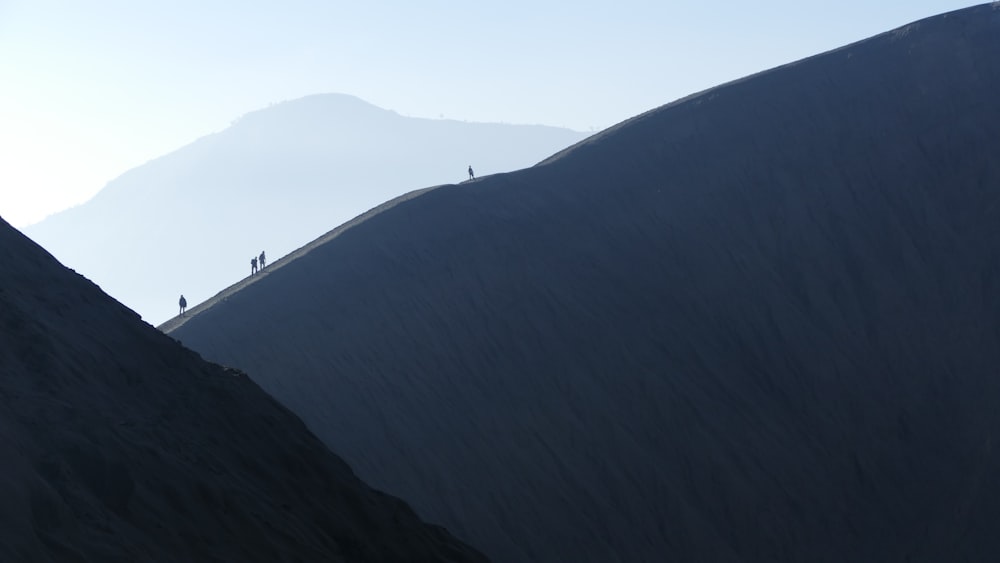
[253, 266]
[262, 260]
[472, 175]
[183, 303]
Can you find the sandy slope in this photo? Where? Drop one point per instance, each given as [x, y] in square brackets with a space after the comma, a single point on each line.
[120, 445]
[758, 324]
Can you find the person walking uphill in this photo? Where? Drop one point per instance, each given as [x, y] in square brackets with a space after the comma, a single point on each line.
[472, 175]
[183, 303]
[253, 266]
[263, 260]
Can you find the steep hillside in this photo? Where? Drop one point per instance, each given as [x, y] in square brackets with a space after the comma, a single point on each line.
[758, 324]
[118, 444]
[189, 222]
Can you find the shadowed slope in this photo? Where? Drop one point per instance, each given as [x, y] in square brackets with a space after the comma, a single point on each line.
[761, 323]
[120, 445]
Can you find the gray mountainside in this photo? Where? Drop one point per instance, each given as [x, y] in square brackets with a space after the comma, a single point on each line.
[117, 444]
[761, 323]
[190, 221]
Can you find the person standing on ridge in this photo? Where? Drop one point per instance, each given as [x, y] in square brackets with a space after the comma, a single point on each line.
[253, 266]
[183, 303]
[262, 260]
[472, 175]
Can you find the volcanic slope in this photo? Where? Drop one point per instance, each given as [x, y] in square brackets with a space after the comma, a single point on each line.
[189, 222]
[118, 444]
[761, 323]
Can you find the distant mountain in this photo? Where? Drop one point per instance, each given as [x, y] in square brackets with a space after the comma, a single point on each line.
[189, 222]
[118, 444]
[758, 324]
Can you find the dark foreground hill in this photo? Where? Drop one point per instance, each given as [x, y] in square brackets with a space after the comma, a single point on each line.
[758, 324]
[189, 222]
[117, 444]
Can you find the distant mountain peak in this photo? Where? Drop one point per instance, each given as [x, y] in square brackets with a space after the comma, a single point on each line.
[323, 107]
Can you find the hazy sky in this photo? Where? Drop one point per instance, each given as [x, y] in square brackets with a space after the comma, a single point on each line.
[89, 89]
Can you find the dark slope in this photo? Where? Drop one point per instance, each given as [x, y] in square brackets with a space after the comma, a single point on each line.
[190, 221]
[758, 324]
[120, 445]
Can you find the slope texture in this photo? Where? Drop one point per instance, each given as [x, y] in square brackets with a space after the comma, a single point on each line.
[758, 324]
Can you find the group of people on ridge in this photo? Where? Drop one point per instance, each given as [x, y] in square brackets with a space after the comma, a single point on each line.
[262, 260]
[254, 262]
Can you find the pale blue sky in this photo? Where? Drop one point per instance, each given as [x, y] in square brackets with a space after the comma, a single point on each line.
[89, 89]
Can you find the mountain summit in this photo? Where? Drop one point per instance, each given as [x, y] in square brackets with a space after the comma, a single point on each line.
[190, 221]
[761, 323]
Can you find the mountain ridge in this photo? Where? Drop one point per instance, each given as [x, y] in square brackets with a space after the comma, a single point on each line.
[189, 221]
[761, 323]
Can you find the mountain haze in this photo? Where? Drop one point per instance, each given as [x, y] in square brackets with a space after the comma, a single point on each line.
[189, 222]
[761, 323]
[118, 444]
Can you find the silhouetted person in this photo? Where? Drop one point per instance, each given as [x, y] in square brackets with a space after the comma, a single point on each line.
[253, 266]
[262, 260]
[472, 175]
[183, 303]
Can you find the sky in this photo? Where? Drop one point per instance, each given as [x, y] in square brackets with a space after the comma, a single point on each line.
[90, 89]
